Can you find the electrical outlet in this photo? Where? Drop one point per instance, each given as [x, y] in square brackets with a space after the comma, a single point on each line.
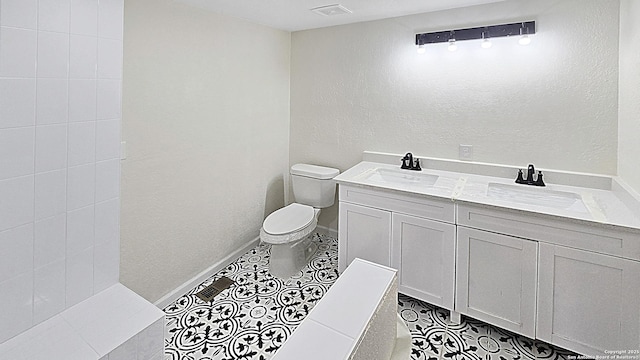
[465, 152]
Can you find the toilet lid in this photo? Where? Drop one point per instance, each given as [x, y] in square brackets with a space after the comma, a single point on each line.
[288, 219]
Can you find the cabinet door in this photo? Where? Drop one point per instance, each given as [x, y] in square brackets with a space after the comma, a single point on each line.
[424, 253]
[496, 279]
[365, 233]
[588, 302]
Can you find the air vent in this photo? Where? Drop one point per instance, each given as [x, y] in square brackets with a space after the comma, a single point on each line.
[330, 10]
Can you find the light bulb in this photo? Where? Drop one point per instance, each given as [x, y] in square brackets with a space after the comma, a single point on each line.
[524, 40]
[421, 49]
[452, 45]
[486, 43]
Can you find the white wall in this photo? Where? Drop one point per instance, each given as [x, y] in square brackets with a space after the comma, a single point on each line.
[60, 79]
[552, 103]
[629, 96]
[206, 121]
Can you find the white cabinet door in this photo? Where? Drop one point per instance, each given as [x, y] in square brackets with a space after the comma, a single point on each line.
[496, 279]
[424, 253]
[588, 302]
[365, 233]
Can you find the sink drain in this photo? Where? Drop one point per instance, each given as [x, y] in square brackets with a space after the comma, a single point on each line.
[207, 294]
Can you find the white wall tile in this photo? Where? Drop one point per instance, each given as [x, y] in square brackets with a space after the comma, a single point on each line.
[50, 238]
[80, 186]
[53, 15]
[107, 180]
[84, 17]
[50, 193]
[52, 105]
[151, 340]
[82, 100]
[17, 246]
[16, 299]
[17, 152]
[109, 59]
[16, 207]
[109, 99]
[17, 102]
[106, 266]
[110, 19]
[83, 61]
[107, 221]
[107, 139]
[79, 277]
[51, 147]
[49, 139]
[49, 291]
[19, 13]
[18, 49]
[82, 143]
[80, 233]
[53, 55]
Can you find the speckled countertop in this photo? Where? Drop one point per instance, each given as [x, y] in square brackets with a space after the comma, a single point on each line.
[596, 205]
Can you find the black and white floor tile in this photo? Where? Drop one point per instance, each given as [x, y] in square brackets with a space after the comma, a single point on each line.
[256, 315]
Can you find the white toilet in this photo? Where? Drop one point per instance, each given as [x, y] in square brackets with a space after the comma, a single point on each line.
[289, 229]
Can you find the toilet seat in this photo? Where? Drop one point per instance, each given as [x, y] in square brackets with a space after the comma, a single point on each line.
[292, 222]
[290, 218]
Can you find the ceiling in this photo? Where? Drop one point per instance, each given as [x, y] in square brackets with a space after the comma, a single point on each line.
[294, 15]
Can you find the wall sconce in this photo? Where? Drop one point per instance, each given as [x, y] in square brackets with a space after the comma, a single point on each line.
[521, 29]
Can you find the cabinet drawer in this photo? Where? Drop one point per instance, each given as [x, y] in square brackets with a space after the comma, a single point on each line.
[435, 209]
[602, 240]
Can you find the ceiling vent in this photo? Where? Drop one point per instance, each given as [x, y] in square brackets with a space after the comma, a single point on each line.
[330, 10]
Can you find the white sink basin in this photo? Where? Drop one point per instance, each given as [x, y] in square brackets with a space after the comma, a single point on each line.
[398, 177]
[539, 196]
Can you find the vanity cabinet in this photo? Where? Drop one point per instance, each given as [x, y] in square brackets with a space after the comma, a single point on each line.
[364, 233]
[588, 302]
[423, 251]
[496, 279]
[583, 293]
[405, 232]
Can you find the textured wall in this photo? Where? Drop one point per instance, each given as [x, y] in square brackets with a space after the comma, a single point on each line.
[552, 103]
[629, 112]
[206, 121]
[60, 79]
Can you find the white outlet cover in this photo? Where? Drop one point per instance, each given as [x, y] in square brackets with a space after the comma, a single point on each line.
[465, 152]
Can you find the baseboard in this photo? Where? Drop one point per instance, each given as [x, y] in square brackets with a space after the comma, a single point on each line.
[196, 280]
[327, 231]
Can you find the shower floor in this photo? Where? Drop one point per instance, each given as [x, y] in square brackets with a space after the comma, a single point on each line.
[253, 318]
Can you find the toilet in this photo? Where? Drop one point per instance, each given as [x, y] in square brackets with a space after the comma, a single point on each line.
[289, 229]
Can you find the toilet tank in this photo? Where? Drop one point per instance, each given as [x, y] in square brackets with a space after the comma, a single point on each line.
[313, 185]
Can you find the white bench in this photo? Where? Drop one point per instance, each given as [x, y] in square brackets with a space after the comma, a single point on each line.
[115, 324]
[356, 319]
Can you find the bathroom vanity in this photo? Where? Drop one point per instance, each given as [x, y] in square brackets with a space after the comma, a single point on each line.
[560, 263]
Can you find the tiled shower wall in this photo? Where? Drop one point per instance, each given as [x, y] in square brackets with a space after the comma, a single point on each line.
[60, 101]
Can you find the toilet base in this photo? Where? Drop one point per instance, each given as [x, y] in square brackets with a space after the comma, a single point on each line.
[287, 259]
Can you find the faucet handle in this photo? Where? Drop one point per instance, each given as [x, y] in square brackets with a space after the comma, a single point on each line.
[520, 179]
[416, 166]
[539, 181]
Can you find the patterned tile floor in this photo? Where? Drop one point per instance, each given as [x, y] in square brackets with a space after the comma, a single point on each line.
[253, 318]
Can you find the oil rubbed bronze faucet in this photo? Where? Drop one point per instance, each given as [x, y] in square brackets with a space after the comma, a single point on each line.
[529, 180]
[409, 163]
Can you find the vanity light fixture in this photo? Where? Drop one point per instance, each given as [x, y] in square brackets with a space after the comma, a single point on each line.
[522, 29]
[486, 43]
[524, 37]
[452, 45]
